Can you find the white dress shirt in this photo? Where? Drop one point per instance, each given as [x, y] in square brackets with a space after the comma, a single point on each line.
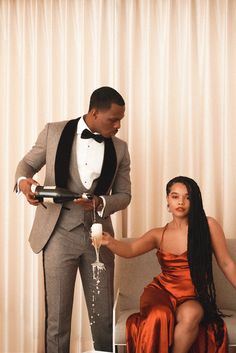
[90, 154]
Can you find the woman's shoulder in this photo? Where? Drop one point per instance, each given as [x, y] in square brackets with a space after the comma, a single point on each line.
[156, 232]
[211, 221]
[153, 236]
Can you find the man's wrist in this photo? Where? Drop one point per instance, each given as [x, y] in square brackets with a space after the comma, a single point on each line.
[18, 190]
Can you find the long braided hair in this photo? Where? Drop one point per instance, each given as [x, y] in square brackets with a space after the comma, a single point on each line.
[200, 257]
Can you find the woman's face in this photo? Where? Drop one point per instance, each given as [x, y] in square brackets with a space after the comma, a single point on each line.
[178, 200]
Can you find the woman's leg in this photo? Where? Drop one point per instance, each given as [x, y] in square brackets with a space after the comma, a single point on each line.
[151, 330]
[188, 316]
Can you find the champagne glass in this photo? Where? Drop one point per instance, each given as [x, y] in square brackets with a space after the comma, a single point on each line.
[96, 235]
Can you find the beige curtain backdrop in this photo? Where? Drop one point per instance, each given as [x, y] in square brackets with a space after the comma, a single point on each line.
[174, 63]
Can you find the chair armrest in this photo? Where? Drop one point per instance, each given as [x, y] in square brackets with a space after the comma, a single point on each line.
[115, 312]
[116, 306]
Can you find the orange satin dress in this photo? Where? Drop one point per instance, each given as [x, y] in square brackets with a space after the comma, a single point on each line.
[152, 329]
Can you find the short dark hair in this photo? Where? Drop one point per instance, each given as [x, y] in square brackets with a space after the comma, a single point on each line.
[103, 97]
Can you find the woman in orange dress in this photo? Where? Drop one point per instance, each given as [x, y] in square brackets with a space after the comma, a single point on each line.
[178, 311]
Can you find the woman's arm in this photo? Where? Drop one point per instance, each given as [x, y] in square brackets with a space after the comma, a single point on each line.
[145, 243]
[221, 252]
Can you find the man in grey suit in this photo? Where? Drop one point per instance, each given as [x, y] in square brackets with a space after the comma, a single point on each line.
[97, 163]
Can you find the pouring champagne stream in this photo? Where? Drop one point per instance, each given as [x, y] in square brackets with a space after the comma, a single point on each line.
[96, 236]
[97, 266]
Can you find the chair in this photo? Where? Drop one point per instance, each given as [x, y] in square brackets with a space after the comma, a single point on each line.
[134, 273]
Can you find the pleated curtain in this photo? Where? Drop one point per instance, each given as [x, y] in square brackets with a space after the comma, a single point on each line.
[174, 63]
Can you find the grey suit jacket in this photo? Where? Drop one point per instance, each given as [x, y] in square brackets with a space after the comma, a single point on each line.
[44, 153]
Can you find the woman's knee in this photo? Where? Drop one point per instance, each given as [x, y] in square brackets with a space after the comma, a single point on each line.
[190, 313]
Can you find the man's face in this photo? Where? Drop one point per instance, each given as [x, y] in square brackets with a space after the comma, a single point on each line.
[108, 122]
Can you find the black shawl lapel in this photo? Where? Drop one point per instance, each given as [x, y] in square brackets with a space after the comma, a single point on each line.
[63, 155]
[108, 169]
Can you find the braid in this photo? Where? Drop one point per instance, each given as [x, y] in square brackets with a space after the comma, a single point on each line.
[200, 258]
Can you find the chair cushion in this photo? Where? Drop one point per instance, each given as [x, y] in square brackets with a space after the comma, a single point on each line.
[124, 314]
[231, 325]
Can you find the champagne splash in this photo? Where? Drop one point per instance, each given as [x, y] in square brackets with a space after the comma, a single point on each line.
[97, 266]
[96, 235]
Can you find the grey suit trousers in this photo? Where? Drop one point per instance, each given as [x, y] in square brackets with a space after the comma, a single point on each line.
[65, 253]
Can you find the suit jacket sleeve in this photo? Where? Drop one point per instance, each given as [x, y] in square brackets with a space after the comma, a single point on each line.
[35, 159]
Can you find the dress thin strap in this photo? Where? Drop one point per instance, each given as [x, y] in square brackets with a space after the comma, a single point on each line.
[162, 236]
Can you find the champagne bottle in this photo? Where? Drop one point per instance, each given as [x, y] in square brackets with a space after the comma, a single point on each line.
[57, 195]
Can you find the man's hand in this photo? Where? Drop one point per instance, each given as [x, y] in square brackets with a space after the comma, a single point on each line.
[89, 205]
[25, 187]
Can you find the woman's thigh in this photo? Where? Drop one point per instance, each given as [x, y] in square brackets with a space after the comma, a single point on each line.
[154, 301]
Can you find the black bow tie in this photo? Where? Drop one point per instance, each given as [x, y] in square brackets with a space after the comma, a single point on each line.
[86, 134]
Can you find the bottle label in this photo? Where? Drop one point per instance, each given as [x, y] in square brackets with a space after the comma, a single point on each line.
[48, 200]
